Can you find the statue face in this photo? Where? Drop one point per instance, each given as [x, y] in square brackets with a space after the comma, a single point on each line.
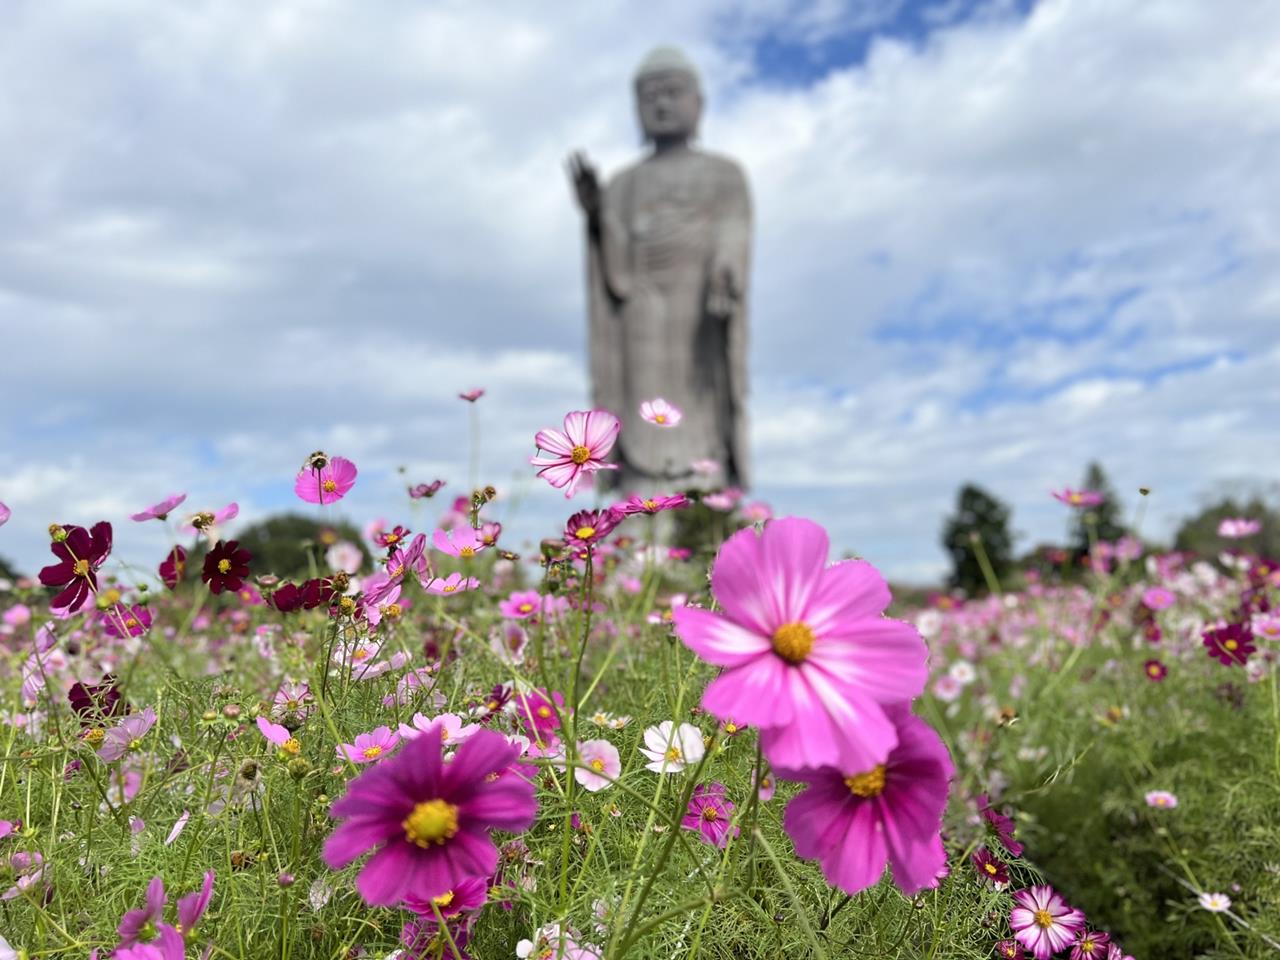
[669, 103]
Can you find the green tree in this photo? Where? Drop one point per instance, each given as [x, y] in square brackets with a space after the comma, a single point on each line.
[288, 544]
[8, 571]
[1104, 519]
[980, 517]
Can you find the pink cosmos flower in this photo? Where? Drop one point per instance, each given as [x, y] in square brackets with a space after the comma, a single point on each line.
[709, 814]
[369, 746]
[120, 620]
[521, 605]
[1237, 528]
[809, 658]
[80, 553]
[854, 820]
[449, 727]
[588, 527]
[127, 736]
[588, 437]
[459, 542]
[650, 505]
[207, 521]
[723, 500]
[1162, 799]
[490, 532]
[421, 490]
[601, 765]
[5, 514]
[430, 821]
[660, 413]
[536, 712]
[757, 512]
[453, 583]
[1043, 922]
[279, 735]
[1078, 498]
[1158, 598]
[325, 484]
[471, 396]
[161, 510]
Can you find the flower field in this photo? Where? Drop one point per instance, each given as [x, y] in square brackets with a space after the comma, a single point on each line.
[739, 746]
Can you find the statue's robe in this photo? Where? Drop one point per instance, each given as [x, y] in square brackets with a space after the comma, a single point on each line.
[665, 222]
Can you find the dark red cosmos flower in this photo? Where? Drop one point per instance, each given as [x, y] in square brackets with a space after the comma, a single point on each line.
[1003, 825]
[174, 568]
[989, 868]
[307, 596]
[1155, 670]
[96, 701]
[226, 566]
[1230, 644]
[80, 553]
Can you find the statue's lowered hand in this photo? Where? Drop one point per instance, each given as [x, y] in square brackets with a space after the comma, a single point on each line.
[586, 184]
[722, 290]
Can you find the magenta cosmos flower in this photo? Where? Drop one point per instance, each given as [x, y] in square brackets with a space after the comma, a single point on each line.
[325, 479]
[809, 658]
[588, 437]
[588, 527]
[1078, 498]
[651, 505]
[5, 514]
[521, 605]
[1230, 644]
[430, 820]
[1043, 922]
[660, 413]
[80, 553]
[854, 820]
[709, 815]
[1158, 598]
[161, 510]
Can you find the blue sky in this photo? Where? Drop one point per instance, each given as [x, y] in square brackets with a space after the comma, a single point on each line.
[994, 241]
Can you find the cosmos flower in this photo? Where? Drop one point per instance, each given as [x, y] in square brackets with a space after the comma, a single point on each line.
[1237, 528]
[521, 605]
[535, 711]
[225, 566]
[990, 869]
[136, 921]
[757, 512]
[449, 727]
[370, 746]
[1043, 922]
[389, 538]
[5, 514]
[601, 765]
[1161, 798]
[588, 437]
[453, 583]
[1078, 498]
[588, 527]
[855, 820]
[430, 822]
[1215, 902]
[670, 748]
[660, 413]
[1091, 945]
[650, 505]
[1230, 644]
[121, 620]
[96, 701]
[161, 510]
[1003, 825]
[461, 542]
[325, 479]
[1158, 598]
[709, 814]
[809, 658]
[174, 568]
[1155, 670]
[80, 553]
[207, 521]
[471, 396]
[1010, 950]
[127, 736]
[279, 735]
[421, 490]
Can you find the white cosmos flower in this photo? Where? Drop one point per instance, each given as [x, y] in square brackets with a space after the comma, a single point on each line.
[670, 748]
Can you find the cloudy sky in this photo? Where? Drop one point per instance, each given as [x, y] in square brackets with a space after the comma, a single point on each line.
[994, 240]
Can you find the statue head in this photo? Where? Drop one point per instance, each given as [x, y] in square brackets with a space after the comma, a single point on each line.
[668, 96]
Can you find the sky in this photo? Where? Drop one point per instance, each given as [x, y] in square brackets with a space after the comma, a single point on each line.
[994, 241]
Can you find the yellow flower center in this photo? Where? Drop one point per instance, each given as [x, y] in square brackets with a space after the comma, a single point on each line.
[869, 784]
[990, 868]
[730, 727]
[110, 597]
[597, 765]
[291, 746]
[660, 418]
[580, 455]
[1088, 945]
[444, 899]
[224, 565]
[673, 753]
[1230, 644]
[135, 744]
[81, 568]
[1075, 498]
[526, 608]
[392, 538]
[393, 610]
[329, 486]
[444, 733]
[1043, 918]
[361, 653]
[467, 552]
[585, 533]
[94, 736]
[372, 753]
[793, 642]
[710, 813]
[291, 704]
[450, 587]
[651, 504]
[131, 622]
[544, 712]
[432, 821]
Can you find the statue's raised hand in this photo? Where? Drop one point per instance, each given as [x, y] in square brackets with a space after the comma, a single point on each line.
[585, 183]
